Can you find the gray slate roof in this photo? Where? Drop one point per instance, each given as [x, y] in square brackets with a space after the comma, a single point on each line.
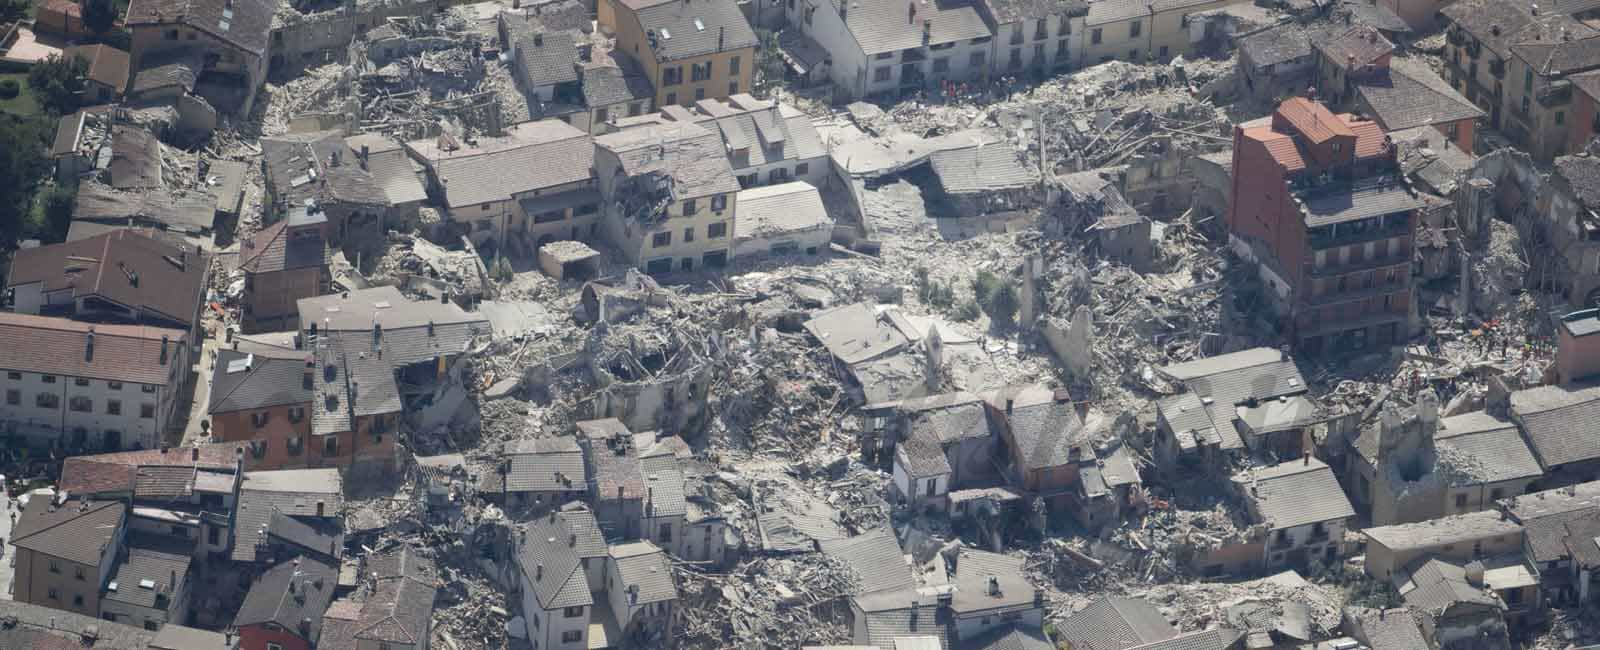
[1114, 623]
[1324, 207]
[983, 168]
[883, 26]
[294, 591]
[536, 465]
[1392, 628]
[1297, 493]
[150, 560]
[1046, 434]
[975, 569]
[1411, 95]
[300, 166]
[691, 155]
[1009, 637]
[324, 539]
[295, 492]
[777, 210]
[267, 382]
[1454, 529]
[696, 28]
[1010, 11]
[390, 167]
[37, 626]
[614, 83]
[643, 565]
[1557, 422]
[853, 333]
[1217, 638]
[1110, 11]
[548, 555]
[1432, 585]
[875, 558]
[923, 458]
[1496, 445]
[1279, 44]
[406, 337]
[76, 531]
[1582, 176]
[495, 169]
[243, 23]
[547, 59]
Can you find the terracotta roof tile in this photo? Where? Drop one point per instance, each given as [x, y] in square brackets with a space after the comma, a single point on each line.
[1313, 120]
[57, 346]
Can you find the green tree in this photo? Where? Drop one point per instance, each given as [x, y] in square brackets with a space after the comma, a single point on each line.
[23, 164]
[997, 296]
[99, 16]
[58, 203]
[57, 83]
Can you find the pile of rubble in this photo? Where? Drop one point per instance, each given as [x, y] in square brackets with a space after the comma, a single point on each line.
[777, 602]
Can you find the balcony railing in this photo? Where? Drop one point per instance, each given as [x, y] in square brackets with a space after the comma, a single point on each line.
[1368, 264]
[1377, 289]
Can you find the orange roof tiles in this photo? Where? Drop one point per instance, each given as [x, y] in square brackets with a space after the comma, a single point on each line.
[1313, 120]
[1369, 136]
[1279, 145]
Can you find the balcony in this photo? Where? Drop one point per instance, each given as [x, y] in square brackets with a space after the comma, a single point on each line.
[1377, 262]
[1349, 295]
[1557, 93]
[1345, 234]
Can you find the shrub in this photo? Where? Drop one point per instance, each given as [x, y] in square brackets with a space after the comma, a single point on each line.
[9, 89]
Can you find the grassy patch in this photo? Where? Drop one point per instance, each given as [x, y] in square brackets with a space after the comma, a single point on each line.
[23, 103]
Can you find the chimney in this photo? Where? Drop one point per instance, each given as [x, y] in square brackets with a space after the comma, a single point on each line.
[377, 335]
[1474, 571]
[172, 582]
[1306, 460]
[572, 539]
[538, 572]
[994, 586]
[163, 349]
[194, 454]
[305, 627]
[911, 13]
[88, 346]
[430, 328]
[366, 152]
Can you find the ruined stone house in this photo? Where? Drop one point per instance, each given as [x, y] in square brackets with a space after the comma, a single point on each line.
[225, 42]
[1305, 511]
[668, 195]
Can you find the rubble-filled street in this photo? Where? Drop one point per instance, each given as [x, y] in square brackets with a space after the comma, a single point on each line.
[697, 324]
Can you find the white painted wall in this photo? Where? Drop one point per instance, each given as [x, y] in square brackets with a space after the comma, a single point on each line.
[50, 424]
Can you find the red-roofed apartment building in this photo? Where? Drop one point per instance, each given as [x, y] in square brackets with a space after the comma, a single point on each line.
[1319, 204]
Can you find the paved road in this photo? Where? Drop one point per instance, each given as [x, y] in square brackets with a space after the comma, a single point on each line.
[202, 391]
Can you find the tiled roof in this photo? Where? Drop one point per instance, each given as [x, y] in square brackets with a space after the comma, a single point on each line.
[1376, 15]
[390, 167]
[1312, 120]
[1392, 628]
[97, 203]
[580, 521]
[135, 158]
[686, 29]
[496, 168]
[549, 558]
[884, 27]
[289, 595]
[982, 168]
[245, 382]
[56, 346]
[1454, 529]
[163, 566]
[81, 475]
[163, 482]
[1217, 638]
[1280, 146]
[613, 475]
[1581, 174]
[1278, 44]
[776, 210]
[1358, 45]
[123, 267]
[271, 249]
[1011, 11]
[107, 65]
[1547, 536]
[1370, 199]
[297, 493]
[1046, 434]
[692, 156]
[412, 331]
[853, 333]
[546, 465]
[923, 458]
[546, 59]
[1114, 623]
[1432, 585]
[1009, 637]
[397, 610]
[643, 566]
[663, 486]
[160, 70]
[977, 573]
[178, 637]
[896, 614]
[323, 540]
[1296, 493]
[77, 530]
[618, 82]
[1556, 420]
[37, 627]
[875, 558]
[1411, 95]
[301, 166]
[243, 23]
[1498, 448]
[1110, 11]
